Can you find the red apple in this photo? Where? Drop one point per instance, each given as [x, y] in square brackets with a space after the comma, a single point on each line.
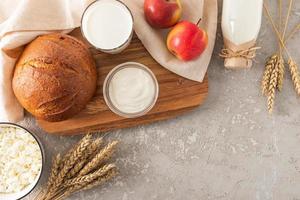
[162, 13]
[187, 41]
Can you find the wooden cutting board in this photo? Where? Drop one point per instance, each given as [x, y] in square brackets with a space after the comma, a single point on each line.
[177, 95]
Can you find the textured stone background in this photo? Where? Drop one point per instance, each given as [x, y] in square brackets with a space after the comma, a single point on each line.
[230, 148]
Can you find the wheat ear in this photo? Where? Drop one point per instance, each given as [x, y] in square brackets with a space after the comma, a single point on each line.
[56, 162]
[68, 164]
[83, 180]
[281, 73]
[269, 67]
[95, 106]
[99, 181]
[99, 158]
[295, 75]
[272, 88]
[112, 173]
[55, 169]
[89, 151]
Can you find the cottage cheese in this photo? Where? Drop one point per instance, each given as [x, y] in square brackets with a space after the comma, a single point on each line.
[20, 159]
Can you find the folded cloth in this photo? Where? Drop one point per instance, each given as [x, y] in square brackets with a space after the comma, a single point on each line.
[155, 40]
[22, 21]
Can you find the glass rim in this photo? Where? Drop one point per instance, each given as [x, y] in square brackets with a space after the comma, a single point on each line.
[9, 124]
[103, 49]
[107, 98]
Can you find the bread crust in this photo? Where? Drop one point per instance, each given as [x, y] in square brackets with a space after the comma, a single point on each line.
[55, 77]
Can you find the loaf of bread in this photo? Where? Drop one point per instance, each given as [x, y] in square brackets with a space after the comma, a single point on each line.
[55, 77]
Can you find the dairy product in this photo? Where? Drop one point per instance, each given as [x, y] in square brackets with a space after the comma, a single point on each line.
[20, 160]
[108, 25]
[241, 20]
[132, 90]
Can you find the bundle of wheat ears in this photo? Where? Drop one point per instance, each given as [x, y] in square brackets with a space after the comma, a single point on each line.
[273, 77]
[81, 168]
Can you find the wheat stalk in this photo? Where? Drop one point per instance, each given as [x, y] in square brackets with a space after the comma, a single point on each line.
[55, 169]
[65, 178]
[112, 173]
[272, 88]
[99, 158]
[83, 180]
[276, 80]
[56, 162]
[95, 106]
[90, 150]
[99, 181]
[69, 153]
[68, 164]
[295, 75]
[269, 67]
[87, 137]
[281, 73]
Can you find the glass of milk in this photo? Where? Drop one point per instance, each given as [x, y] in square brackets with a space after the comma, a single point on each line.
[107, 25]
[241, 20]
[130, 90]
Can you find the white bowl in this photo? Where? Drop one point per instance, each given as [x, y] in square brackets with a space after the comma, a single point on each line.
[28, 189]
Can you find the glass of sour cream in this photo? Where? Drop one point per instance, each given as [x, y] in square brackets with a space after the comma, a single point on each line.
[130, 90]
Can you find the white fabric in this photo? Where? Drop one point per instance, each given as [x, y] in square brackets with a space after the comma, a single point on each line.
[20, 23]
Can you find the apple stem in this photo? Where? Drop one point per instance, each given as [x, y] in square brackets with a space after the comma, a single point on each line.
[198, 23]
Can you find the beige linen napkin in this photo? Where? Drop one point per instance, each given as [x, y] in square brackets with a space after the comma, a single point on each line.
[20, 23]
[155, 40]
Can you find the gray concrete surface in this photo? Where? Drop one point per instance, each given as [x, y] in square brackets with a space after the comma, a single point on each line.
[230, 148]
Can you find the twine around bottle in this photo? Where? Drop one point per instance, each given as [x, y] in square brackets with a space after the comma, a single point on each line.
[247, 54]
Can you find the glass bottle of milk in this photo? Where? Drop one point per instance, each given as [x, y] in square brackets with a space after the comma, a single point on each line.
[241, 22]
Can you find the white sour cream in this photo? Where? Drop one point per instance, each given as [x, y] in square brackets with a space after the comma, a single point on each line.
[107, 24]
[132, 90]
